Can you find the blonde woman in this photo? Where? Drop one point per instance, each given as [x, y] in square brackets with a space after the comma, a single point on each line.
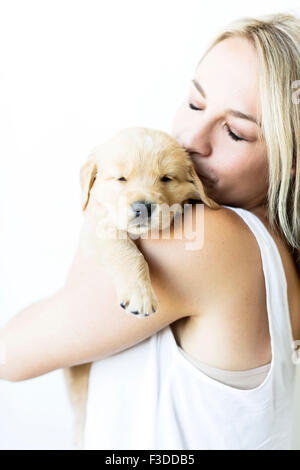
[214, 368]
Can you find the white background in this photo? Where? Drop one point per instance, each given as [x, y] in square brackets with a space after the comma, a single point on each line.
[71, 74]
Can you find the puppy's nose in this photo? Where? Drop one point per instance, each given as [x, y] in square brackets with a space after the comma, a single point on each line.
[140, 208]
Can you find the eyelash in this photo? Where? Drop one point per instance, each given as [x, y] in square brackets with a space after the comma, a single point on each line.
[229, 132]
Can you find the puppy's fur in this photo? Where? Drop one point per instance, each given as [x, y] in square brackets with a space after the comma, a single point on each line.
[132, 178]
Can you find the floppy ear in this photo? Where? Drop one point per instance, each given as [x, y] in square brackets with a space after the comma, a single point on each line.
[87, 178]
[199, 189]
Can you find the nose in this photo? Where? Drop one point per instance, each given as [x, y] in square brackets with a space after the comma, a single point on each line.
[199, 141]
[140, 208]
[202, 149]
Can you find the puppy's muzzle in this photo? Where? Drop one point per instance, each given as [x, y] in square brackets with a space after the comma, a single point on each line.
[143, 210]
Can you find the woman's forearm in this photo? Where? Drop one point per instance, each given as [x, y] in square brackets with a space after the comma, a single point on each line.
[84, 322]
[23, 340]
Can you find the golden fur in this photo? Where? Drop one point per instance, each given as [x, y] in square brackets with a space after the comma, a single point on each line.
[136, 166]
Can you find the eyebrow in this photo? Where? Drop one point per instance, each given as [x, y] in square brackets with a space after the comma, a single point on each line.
[234, 112]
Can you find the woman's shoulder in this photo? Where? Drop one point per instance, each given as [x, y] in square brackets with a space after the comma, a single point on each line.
[204, 238]
[224, 231]
[246, 256]
[211, 249]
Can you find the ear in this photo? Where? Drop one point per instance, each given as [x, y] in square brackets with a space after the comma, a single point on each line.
[200, 191]
[87, 178]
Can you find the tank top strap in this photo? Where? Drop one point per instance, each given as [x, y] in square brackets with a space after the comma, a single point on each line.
[282, 342]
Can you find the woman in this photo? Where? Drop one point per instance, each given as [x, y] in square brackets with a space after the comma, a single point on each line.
[212, 369]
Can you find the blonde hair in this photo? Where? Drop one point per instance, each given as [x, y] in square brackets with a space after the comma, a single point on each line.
[277, 41]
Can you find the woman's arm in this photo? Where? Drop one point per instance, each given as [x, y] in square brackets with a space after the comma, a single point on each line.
[83, 322]
[26, 336]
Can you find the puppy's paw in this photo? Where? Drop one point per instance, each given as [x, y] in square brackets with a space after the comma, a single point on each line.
[142, 302]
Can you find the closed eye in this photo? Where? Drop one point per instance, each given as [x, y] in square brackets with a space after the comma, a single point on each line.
[194, 107]
[165, 178]
[228, 130]
[232, 135]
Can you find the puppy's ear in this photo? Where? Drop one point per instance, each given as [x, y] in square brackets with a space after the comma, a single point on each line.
[199, 189]
[87, 178]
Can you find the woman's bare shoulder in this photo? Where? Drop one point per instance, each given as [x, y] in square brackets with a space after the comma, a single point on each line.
[210, 246]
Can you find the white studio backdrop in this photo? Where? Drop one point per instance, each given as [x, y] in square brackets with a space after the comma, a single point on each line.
[71, 74]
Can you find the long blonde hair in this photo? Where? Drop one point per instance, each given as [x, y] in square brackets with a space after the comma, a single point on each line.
[277, 41]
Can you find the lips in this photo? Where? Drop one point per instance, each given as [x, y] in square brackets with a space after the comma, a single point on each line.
[205, 177]
[201, 175]
[205, 180]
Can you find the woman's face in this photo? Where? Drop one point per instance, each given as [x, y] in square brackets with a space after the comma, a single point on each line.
[223, 143]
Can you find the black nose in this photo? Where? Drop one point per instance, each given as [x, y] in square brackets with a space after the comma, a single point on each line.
[143, 208]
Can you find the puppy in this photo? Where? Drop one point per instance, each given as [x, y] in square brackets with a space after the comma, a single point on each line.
[134, 179]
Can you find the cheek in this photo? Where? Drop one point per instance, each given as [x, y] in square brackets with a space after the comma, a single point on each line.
[255, 170]
[241, 174]
[245, 175]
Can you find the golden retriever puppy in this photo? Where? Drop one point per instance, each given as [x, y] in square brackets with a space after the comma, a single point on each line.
[139, 181]
[135, 178]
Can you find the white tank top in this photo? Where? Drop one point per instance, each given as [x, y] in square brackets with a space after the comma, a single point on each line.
[151, 397]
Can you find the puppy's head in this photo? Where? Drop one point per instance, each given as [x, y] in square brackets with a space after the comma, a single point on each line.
[137, 175]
